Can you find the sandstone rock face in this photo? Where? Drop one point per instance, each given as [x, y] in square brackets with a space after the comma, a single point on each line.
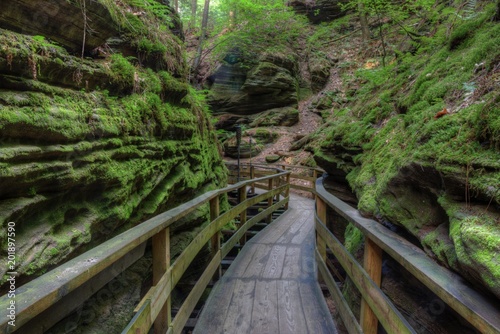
[89, 148]
[61, 21]
[319, 10]
[319, 67]
[271, 83]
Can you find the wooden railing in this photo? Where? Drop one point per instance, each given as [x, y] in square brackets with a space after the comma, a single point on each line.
[301, 177]
[376, 307]
[40, 295]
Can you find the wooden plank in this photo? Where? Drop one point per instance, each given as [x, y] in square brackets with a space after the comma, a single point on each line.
[291, 316]
[161, 261]
[265, 308]
[240, 314]
[219, 300]
[274, 265]
[259, 260]
[306, 229]
[242, 194]
[372, 263]
[141, 322]
[76, 298]
[292, 263]
[287, 191]
[161, 293]
[194, 296]
[482, 313]
[348, 318]
[318, 320]
[388, 315]
[270, 200]
[298, 227]
[215, 240]
[303, 188]
[321, 213]
[302, 177]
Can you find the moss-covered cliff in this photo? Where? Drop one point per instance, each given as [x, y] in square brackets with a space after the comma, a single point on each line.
[419, 139]
[95, 138]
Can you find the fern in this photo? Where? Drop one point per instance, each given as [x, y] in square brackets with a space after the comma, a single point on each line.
[469, 10]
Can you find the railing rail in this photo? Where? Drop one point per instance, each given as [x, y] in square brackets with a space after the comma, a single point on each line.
[481, 313]
[47, 290]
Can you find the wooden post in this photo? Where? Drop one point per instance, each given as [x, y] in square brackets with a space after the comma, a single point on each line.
[252, 176]
[321, 211]
[243, 214]
[287, 191]
[372, 263]
[215, 240]
[270, 201]
[278, 184]
[315, 176]
[161, 262]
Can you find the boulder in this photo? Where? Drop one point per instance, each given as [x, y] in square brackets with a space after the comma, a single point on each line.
[272, 158]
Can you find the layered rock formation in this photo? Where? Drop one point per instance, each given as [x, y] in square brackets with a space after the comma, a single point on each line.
[319, 10]
[237, 89]
[90, 147]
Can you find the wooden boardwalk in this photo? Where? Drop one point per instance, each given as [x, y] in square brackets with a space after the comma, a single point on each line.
[271, 287]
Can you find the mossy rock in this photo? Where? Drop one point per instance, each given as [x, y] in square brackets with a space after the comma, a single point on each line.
[475, 233]
[248, 148]
[286, 116]
[272, 158]
[265, 136]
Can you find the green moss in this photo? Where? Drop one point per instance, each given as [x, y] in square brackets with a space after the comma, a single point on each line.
[353, 239]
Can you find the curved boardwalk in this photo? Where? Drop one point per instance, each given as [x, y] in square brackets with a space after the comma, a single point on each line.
[272, 286]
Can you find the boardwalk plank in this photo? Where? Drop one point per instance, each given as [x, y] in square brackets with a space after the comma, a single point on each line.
[292, 266]
[265, 308]
[305, 231]
[274, 265]
[238, 319]
[294, 230]
[318, 321]
[259, 260]
[241, 262]
[291, 316]
[218, 302]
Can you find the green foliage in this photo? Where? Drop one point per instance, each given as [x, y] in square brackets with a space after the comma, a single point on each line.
[259, 25]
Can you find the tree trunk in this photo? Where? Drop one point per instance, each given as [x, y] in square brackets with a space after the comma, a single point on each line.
[176, 5]
[194, 7]
[497, 16]
[204, 23]
[231, 19]
[365, 32]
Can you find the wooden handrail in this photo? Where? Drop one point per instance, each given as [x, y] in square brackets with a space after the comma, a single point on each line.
[41, 293]
[483, 314]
